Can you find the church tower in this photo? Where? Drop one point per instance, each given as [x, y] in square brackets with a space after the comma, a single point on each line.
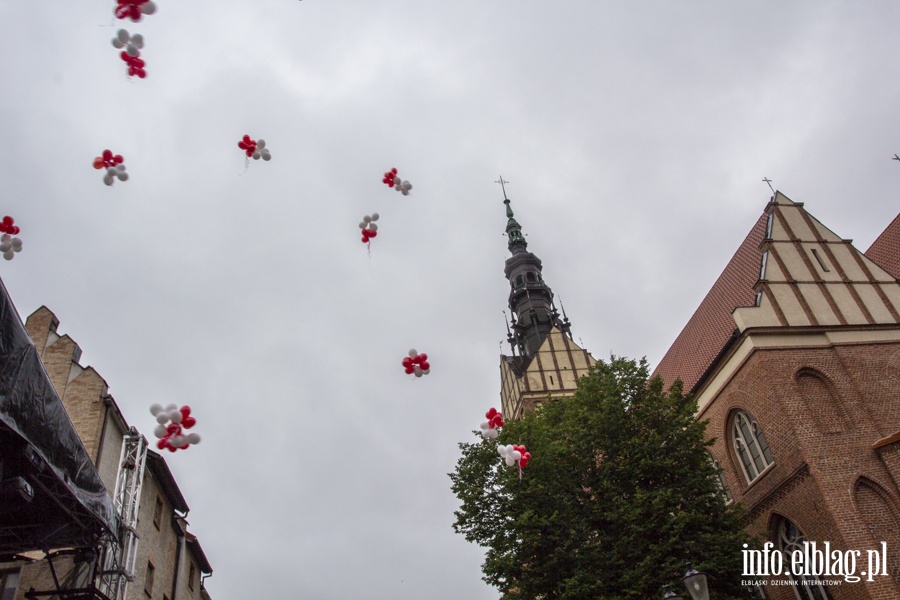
[545, 361]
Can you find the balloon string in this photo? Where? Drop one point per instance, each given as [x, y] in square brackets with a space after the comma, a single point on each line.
[246, 165]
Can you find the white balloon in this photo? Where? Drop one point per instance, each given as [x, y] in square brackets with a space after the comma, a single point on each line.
[122, 35]
[137, 40]
[8, 255]
[374, 216]
[373, 226]
[502, 451]
[362, 225]
[162, 418]
[367, 219]
[266, 155]
[155, 409]
[123, 176]
[260, 144]
[117, 43]
[16, 244]
[413, 353]
[491, 434]
[485, 425]
[120, 167]
[148, 8]
[160, 431]
[132, 51]
[193, 438]
[111, 171]
[108, 179]
[175, 416]
[170, 407]
[426, 371]
[419, 373]
[178, 441]
[256, 155]
[5, 246]
[516, 455]
[510, 461]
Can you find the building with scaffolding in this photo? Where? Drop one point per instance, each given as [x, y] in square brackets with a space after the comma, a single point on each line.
[133, 540]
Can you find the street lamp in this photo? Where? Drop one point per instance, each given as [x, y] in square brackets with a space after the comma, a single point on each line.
[671, 595]
[695, 582]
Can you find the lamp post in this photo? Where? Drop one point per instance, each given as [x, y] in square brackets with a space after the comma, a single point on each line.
[695, 582]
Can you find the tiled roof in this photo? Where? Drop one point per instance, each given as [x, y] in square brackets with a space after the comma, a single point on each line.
[885, 250]
[709, 329]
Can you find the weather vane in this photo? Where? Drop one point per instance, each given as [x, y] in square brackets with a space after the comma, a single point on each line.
[769, 181]
[502, 182]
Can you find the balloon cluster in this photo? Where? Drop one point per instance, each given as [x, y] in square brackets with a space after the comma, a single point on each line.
[134, 9]
[172, 423]
[131, 54]
[494, 421]
[416, 363]
[514, 454]
[369, 228]
[391, 180]
[254, 149]
[114, 167]
[9, 245]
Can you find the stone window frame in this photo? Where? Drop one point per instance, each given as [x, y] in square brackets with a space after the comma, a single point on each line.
[757, 459]
[789, 537]
[720, 479]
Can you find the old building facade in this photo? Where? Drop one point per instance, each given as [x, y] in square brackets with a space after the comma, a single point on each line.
[159, 559]
[794, 358]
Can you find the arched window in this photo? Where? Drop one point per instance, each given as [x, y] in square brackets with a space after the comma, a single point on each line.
[519, 281]
[529, 276]
[790, 538]
[720, 478]
[750, 445]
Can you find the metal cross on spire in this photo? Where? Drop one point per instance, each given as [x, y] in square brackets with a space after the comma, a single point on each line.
[769, 181]
[895, 158]
[503, 186]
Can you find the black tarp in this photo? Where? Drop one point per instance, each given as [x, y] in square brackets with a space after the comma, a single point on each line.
[41, 452]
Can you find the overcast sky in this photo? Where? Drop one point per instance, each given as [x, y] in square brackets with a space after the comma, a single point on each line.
[634, 136]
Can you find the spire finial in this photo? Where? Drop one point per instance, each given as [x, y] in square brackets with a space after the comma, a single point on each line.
[769, 181]
[513, 229]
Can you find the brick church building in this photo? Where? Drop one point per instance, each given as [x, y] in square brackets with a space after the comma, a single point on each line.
[794, 358]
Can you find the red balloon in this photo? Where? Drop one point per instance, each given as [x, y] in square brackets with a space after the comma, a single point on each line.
[188, 422]
[107, 154]
[425, 366]
[247, 139]
[98, 163]
[15, 230]
[407, 361]
[394, 171]
[423, 357]
[372, 234]
[161, 444]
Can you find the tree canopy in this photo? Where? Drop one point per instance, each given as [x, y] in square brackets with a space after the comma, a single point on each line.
[619, 494]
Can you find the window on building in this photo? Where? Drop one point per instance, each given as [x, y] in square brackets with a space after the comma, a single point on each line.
[762, 266]
[9, 583]
[529, 276]
[769, 224]
[806, 587]
[148, 579]
[157, 512]
[750, 445]
[720, 477]
[191, 576]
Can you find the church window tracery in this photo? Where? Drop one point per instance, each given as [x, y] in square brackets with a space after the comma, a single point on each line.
[751, 445]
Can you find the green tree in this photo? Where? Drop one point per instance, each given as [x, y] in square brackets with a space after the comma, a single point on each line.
[619, 493]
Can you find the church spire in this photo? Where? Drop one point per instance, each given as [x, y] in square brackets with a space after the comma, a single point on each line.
[530, 299]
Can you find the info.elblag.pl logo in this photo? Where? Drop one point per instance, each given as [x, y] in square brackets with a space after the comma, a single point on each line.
[810, 561]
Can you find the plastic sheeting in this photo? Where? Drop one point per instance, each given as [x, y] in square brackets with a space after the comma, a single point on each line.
[31, 408]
